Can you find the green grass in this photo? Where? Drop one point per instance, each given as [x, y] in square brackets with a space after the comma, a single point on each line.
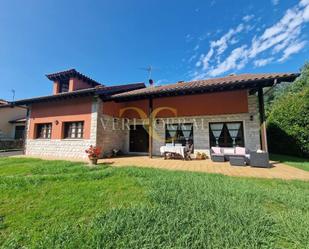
[57, 204]
[297, 162]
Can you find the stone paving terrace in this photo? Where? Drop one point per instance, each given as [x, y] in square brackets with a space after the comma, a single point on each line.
[278, 170]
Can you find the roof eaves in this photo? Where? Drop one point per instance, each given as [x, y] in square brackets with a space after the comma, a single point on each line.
[48, 98]
[198, 87]
[72, 73]
[106, 92]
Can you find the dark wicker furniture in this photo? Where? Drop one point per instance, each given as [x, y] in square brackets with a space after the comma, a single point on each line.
[259, 159]
[237, 161]
[217, 158]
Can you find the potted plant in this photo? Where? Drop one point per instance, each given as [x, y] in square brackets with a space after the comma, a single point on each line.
[93, 154]
[198, 156]
[203, 156]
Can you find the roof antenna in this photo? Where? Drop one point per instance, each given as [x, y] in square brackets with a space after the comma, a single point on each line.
[13, 92]
[149, 69]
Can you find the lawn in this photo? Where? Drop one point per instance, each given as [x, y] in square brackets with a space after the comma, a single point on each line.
[301, 163]
[58, 204]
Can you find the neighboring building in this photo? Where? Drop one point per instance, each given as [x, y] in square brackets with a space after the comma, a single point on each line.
[226, 111]
[12, 121]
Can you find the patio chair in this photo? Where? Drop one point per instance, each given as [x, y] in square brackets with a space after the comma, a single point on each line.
[259, 159]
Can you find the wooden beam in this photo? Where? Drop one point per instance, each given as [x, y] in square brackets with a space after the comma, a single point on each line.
[150, 126]
[262, 120]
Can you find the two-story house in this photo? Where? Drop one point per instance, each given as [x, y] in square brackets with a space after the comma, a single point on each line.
[136, 118]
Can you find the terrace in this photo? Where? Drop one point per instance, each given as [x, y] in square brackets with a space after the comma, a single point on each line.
[278, 170]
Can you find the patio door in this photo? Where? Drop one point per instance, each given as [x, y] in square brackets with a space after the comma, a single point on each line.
[139, 139]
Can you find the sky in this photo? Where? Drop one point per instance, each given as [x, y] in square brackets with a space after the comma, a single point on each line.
[112, 41]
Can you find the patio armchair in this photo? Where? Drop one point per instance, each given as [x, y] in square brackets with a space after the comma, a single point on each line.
[259, 159]
[216, 154]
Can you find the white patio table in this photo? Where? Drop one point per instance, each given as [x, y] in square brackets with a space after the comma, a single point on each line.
[180, 150]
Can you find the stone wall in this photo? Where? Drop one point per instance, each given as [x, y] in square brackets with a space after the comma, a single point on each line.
[114, 133]
[64, 148]
[58, 148]
[201, 133]
[110, 133]
[11, 144]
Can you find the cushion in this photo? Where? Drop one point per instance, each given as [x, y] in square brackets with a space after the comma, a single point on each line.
[169, 144]
[216, 150]
[240, 151]
[228, 151]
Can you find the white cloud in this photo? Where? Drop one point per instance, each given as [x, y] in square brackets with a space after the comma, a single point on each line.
[263, 62]
[304, 2]
[247, 18]
[306, 13]
[193, 57]
[234, 60]
[161, 81]
[219, 46]
[275, 2]
[280, 40]
[188, 37]
[292, 49]
[196, 47]
[205, 59]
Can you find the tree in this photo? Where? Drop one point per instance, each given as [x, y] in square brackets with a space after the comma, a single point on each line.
[288, 118]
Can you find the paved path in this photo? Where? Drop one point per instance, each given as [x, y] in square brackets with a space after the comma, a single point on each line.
[11, 153]
[278, 170]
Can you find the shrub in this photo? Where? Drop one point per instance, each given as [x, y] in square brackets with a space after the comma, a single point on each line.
[288, 120]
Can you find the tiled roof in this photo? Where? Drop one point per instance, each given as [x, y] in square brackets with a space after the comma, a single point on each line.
[72, 73]
[3, 102]
[242, 81]
[109, 90]
[99, 90]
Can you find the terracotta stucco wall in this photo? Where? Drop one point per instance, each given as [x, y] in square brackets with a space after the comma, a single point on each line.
[77, 84]
[56, 87]
[113, 109]
[61, 111]
[74, 84]
[192, 105]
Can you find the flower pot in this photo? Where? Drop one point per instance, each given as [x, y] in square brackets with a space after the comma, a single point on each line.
[93, 160]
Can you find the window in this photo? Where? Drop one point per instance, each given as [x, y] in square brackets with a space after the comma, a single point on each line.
[74, 129]
[179, 133]
[64, 86]
[19, 132]
[226, 134]
[44, 131]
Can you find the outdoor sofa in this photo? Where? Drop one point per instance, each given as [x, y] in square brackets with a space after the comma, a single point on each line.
[240, 156]
[221, 154]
